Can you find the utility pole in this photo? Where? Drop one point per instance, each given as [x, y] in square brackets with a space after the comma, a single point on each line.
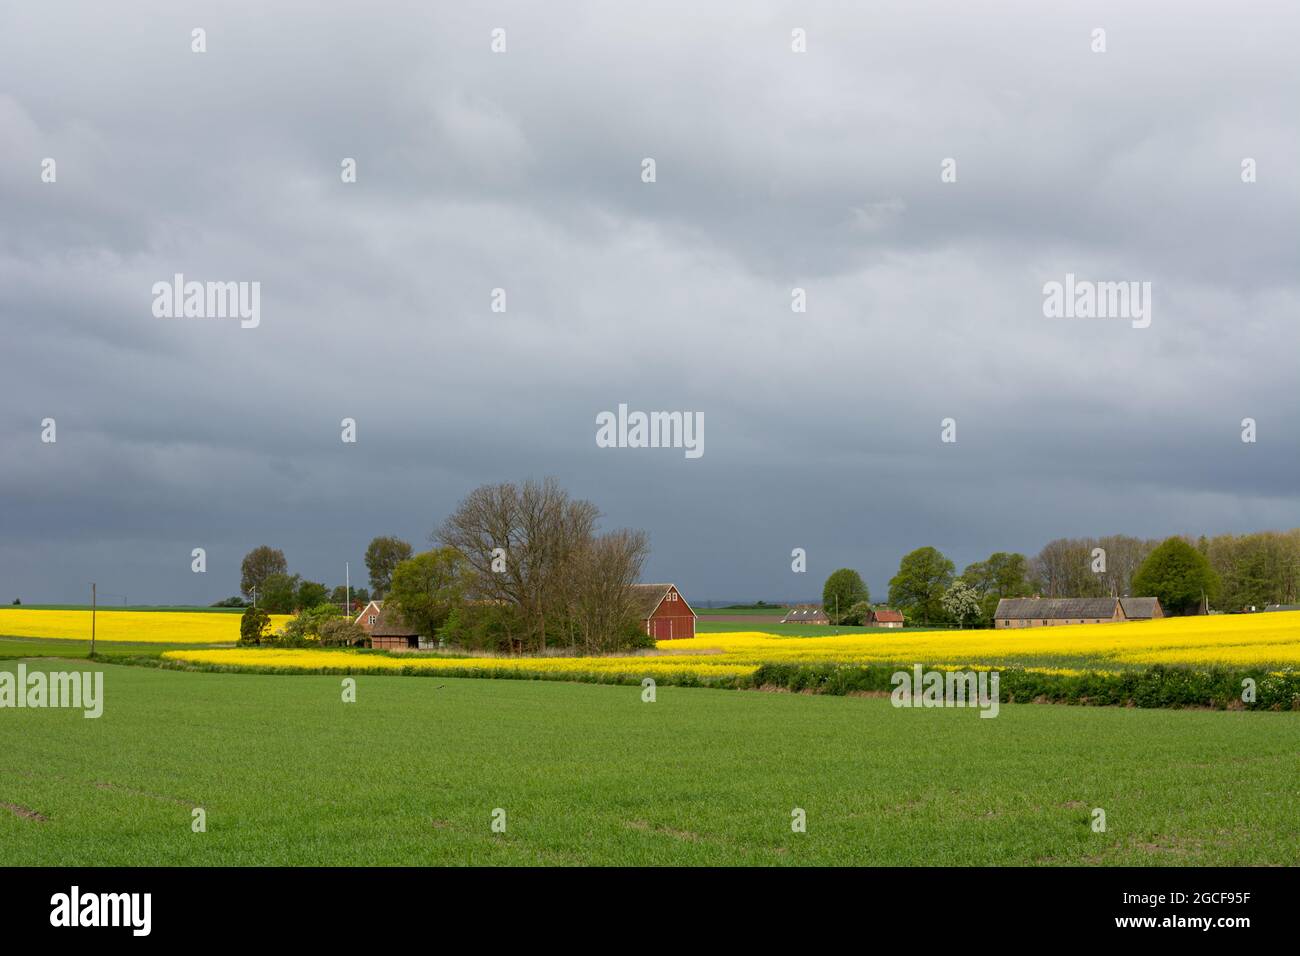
[347, 585]
[92, 618]
[254, 595]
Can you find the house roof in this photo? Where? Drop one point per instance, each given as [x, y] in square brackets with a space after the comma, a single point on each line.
[648, 597]
[1140, 607]
[391, 624]
[887, 615]
[1054, 609]
[377, 605]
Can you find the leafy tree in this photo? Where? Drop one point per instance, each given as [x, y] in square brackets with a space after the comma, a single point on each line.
[253, 625]
[341, 632]
[858, 613]
[843, 589]
[259, 564]
[311, 594]
[492, 626]
[17, 601]
[1177, 574]
[383, 555]
[305, 626]
[278, 593]
[923, 576]
[1003, 575]
[360, 597]
[428, 587]
[961, 602]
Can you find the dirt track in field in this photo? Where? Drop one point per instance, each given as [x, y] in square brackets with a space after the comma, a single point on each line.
[742, 618]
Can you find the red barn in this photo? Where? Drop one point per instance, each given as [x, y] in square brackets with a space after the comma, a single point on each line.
[664, 612]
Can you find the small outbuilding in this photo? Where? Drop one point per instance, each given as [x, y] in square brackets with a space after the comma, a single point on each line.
[885, 617]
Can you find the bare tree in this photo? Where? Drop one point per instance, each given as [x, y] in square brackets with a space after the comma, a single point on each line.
[519, 540]
[602, 604]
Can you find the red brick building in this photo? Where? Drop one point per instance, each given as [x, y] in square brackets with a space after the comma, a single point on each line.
[885, 617]
[386, 627]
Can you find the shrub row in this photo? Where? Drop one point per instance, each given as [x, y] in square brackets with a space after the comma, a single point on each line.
[1157, 686]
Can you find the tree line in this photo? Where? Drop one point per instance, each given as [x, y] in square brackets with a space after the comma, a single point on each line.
[1226, 572]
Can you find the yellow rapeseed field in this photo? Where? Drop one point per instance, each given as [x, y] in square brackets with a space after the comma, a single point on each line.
[1229, 640]
[150, 627]
[350, 662]
[1240, 640]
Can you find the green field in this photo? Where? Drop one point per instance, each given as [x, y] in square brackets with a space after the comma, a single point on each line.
[410, 774]
[12, 648]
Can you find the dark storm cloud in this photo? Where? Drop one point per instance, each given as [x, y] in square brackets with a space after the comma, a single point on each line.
[521, 171]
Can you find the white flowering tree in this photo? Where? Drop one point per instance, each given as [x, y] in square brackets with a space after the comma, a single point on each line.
[961, 601]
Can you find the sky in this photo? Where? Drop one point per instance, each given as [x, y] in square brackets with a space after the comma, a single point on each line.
[523, 170]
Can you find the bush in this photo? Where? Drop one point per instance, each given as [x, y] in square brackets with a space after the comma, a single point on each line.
[305, 627]
[253, 626]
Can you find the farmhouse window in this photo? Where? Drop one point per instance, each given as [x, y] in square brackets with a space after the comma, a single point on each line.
[373, 618]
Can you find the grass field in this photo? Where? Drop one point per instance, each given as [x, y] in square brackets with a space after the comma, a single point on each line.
[13, 648]
[410, 773]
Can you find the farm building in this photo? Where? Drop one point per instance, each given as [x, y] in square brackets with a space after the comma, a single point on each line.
[664, 612]
[387, 629]
[885, 617]
[369, 616]
[1044, 612]
[1141, 608]
[805, 614]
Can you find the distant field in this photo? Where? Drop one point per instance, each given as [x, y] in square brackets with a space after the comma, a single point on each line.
[746, 610]
[145, 627]
[193, 608]
[707, 626]
[412, 772]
